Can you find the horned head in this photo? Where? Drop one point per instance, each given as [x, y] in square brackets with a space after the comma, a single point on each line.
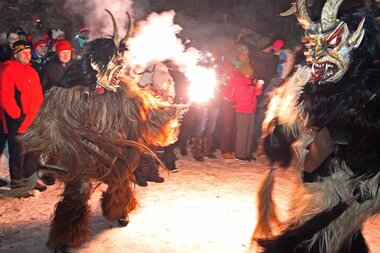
[329, 42]
[107, 56]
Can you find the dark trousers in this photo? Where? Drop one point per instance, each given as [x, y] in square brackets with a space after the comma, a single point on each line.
[20, 165]
[245, 125]
[227, 140]
[3, 137]
[186, 128]
[206, 121]
[260, 116]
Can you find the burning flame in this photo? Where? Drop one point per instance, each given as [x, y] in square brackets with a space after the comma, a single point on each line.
[156, 39]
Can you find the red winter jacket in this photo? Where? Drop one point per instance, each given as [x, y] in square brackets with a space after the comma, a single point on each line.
[245, 98]
[20, 95]
[235, 80]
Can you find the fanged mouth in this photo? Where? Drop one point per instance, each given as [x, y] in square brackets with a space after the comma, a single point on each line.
[323, 70]
[114, 75]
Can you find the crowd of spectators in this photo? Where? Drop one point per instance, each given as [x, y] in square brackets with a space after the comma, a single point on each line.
[231, 121]
[29, 66]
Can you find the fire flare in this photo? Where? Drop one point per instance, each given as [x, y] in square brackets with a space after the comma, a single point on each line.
[157, 39]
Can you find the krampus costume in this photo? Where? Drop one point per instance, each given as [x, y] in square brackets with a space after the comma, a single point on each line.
[93, 129]
[328, 114]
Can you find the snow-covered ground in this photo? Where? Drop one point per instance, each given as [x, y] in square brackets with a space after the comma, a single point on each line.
[205, 207]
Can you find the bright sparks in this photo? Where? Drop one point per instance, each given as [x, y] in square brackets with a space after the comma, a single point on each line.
[202, 84]
[156, 39]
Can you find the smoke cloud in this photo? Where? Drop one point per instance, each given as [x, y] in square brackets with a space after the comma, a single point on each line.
[96, 18]
[202, 31]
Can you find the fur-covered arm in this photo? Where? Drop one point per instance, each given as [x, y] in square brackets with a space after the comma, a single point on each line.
[162, 124]
[277, 143]
[283, 122]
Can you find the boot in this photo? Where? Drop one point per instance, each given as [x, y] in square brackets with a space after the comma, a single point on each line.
[141, 172]
[48, 179]
[197, 149]
[3, 183]
[183, 151]
[140, 177]
[123, 221]
[63, 249]
[207, 142]
[153, 174]
[40, 187]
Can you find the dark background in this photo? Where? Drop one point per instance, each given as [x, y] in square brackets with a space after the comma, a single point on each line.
[222, 17]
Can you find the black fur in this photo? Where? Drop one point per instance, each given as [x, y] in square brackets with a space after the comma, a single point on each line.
[346, 106]
[277, 144]
[291, 240]
[355, 244]
[350, 109]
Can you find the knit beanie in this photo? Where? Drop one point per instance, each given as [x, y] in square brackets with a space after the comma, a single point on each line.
[38, 40]
[20, 45]
[55, 33]
[62, 45]
[278, 44]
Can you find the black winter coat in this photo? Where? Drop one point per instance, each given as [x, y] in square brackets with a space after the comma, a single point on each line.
[53, 73]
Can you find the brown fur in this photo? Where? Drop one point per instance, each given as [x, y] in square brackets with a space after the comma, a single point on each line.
[118, 200]
[266, 209]
[71, 223]
[82, 136]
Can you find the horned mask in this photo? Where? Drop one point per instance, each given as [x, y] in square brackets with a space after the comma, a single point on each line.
[107, 76]
[329, 42]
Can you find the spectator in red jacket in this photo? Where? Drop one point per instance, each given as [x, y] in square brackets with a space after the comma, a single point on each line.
[239, 74]
[245, 99]
[21, 97]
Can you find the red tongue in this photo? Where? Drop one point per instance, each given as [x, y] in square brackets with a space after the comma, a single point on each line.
[317, 75]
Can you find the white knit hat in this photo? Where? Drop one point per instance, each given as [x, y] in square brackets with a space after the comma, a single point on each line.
[55, 33]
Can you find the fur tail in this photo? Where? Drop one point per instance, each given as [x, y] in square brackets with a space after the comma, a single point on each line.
[266, 209]
[297, 236]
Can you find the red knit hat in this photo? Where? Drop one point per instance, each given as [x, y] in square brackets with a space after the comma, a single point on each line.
[38, 40]
[278, 44]
[62, 45]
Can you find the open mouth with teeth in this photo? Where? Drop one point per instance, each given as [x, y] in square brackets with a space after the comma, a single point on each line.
[113, 75]
[323, 70]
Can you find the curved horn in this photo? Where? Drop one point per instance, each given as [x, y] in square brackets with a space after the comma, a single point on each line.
[115, 29]
[357, 36]
[329, 13]
[129, 31]
[289, 12]
[303, 15]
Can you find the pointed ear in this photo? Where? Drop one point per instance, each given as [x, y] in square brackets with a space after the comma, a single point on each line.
[357, 37]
